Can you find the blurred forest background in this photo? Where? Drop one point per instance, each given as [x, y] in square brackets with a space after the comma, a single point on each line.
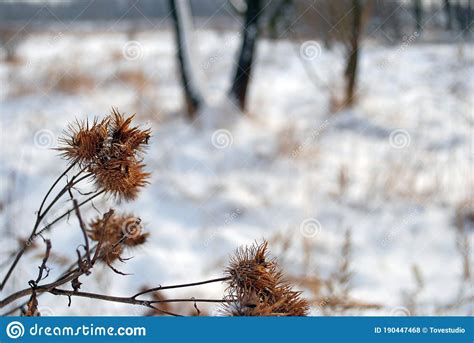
[341, 131]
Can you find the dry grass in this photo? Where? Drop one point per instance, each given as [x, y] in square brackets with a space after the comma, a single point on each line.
[135, 78]
[116, 56]
[70, 82]
[401, 180]
[287, 141]
[9, 41]
[464, 297]
[20, 90]
[411, 297]
[145, 93]
[295, 145]
[329, 295]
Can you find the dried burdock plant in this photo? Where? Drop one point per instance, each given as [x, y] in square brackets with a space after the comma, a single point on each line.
[257, 287]
[125, 229]
[116, 234]
[83, 141]
[110, 150]
[109, 154]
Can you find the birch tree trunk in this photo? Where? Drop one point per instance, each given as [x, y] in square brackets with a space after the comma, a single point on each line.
[182, 22]
[243, 71]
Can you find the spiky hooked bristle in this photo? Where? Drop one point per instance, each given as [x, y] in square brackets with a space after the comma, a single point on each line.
[111, 150]
[256, 286]
[116, 233]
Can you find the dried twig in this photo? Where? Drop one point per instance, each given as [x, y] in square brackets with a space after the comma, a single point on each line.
[52, 288]
[161, 288]
[43, 266]
[40, 216]
[83, 228]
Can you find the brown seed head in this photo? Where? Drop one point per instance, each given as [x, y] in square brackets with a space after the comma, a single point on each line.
[117, 233]
[121, 179]
[250, 270]
[82, 141]
[257, 286]
[111, 151]
[124, 137]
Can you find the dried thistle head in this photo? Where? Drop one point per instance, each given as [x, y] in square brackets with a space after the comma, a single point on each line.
[83, 141]
[117, 233]
[111, 150]
[121, 178]
[123, 135]
[250, 269]
[289, 303]
[256, 286]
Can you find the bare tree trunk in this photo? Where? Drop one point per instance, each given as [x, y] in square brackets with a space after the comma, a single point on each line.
[418, 13]
[351, 69]
[250, 32]
[449, 15]
[181, 21]
[462, 11]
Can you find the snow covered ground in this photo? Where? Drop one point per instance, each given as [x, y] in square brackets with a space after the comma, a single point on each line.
[392, 169]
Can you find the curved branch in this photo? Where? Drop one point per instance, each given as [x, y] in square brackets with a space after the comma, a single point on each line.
[39, 218]
[161, 288]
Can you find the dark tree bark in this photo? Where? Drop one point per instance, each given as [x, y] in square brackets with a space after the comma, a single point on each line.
[463, 15]
[352, 62]
[278, 17]
[449, 15]
[418, 13]
[192, 93]
[243, 71]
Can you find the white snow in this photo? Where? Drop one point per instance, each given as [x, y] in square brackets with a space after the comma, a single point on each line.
[273, 168]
